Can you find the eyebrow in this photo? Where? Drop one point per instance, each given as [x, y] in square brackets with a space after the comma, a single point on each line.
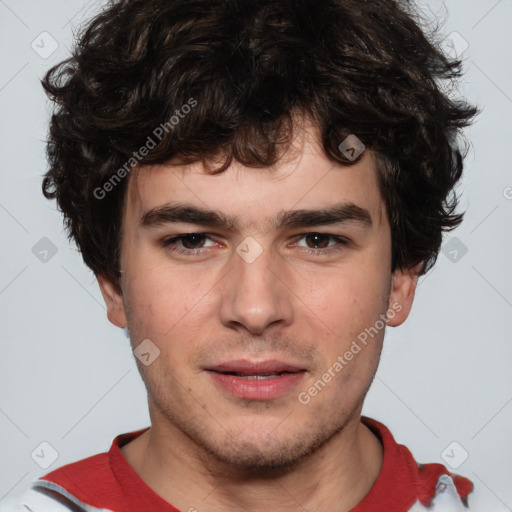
[190, 214]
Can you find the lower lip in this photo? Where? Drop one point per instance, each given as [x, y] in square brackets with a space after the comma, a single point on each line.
[257, 389]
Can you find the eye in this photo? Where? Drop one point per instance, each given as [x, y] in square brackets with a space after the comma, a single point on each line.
[193, 244]
[322, 243]
[188, 243]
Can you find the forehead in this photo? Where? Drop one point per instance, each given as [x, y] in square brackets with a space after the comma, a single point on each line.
[304, 179]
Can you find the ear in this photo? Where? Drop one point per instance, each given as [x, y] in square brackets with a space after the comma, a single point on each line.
[113, 298]
[403, 288]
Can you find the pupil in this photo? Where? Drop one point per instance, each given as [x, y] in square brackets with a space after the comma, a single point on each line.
[314, 237]
[189, 240]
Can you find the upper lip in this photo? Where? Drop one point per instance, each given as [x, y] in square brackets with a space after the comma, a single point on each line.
[246, 367]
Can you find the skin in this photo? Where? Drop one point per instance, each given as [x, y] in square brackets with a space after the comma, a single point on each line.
[207, 450]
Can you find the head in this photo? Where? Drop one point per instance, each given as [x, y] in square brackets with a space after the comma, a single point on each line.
[313, 146]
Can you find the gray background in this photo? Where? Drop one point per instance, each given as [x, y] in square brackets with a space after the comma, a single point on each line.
[68, 375]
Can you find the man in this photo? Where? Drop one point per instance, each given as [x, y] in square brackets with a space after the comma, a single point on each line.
[257, 186]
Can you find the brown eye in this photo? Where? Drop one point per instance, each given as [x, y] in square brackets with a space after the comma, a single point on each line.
[188, 243]
[318, 239]
[323, 244]
[193, 241]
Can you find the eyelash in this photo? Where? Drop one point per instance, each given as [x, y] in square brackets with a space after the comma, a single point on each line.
[171, 244]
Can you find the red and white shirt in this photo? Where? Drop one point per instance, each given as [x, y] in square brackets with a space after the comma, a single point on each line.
[107, 482]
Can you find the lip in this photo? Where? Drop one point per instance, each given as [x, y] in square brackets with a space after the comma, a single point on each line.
[255, 367]
[256, 389]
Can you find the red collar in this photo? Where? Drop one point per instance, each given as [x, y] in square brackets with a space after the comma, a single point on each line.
[107, 480]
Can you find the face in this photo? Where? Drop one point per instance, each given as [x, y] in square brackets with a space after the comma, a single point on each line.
[269, 321]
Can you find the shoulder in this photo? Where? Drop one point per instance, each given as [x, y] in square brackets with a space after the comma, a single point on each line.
[62, 489]
[441, 490]
[430, 487]
[81, 474]
[31, 501]
[44, 496]
[75, 486]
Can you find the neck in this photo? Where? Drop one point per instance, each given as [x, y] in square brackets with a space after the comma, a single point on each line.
[336, 477]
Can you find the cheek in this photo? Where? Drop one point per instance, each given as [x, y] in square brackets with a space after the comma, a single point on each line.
[347, 300]
[352, 310]
[164, 306]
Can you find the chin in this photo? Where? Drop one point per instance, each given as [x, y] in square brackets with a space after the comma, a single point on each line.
[266, 454]
[256, 459]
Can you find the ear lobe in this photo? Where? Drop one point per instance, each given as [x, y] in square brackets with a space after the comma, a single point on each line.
[114, 301]
[403, 288]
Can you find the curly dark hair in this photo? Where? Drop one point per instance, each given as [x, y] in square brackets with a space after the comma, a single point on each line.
[245, 67]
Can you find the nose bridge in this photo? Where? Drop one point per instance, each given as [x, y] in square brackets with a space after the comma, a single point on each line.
[253, 295]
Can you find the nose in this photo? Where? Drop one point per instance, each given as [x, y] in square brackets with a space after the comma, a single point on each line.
[255, 295]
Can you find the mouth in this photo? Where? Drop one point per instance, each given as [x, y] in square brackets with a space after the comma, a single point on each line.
[260, 381]
[258, 376]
